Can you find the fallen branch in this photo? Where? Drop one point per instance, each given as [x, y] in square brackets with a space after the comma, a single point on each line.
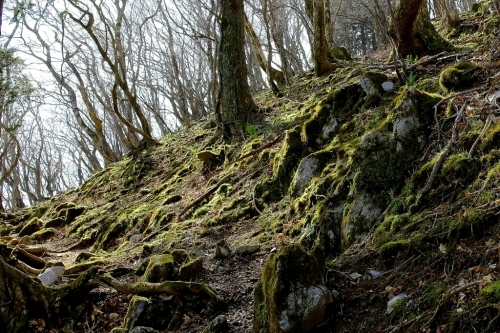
[439, 163]
[168, 287]
[261, 148]
[446, 297]
[427, 60]
[448, 98]
[487, 125]
[254, 202]
[206, 194]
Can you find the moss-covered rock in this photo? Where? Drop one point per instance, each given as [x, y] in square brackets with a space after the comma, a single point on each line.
[459, 76]
[371, 82]
[160, 268]
[322, 125]
[44, 234]
[190, 270]
[31, 227]
[339, 53]
[290, 295]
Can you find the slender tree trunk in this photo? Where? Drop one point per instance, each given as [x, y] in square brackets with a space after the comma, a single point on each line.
[315, 10]
[235, 103]
[274, 74]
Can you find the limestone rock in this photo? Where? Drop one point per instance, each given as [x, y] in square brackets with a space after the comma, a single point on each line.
[218, 325]
[371, 83]
[222, 250]
[290, 295]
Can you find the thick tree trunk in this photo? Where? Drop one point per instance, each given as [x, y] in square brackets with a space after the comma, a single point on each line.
[235, 103]
[315, 10]
[412, 30]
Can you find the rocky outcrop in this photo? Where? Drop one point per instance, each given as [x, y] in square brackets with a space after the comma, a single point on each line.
[291, 296]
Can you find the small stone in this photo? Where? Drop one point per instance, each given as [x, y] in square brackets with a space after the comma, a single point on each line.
[247, 249]
[135, 238]
[388, 85]
[113, 316]
[222, 250]
[391, 303]
[219, 324]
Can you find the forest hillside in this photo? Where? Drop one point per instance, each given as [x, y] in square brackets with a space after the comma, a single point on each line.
[355, 202]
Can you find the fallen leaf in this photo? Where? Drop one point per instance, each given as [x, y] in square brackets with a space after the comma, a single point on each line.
[442, 248]
[488, 278]
[355, 276]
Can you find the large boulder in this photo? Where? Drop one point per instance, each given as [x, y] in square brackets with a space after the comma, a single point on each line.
[290, 295]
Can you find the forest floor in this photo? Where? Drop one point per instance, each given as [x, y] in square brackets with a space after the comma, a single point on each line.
[441, 254]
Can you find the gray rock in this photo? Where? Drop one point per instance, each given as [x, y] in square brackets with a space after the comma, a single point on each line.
[308, 166]
[247, 249]
[290, 295]
[135, 238]
[218, 325]
[330, 127]
[388, 85]
[359, 220]
[372, 83]
[222, 250]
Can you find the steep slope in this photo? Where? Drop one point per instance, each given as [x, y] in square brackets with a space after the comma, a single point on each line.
[362, 193]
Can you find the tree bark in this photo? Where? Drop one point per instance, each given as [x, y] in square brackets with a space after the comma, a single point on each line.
[315, 10]
[412, 30]
[235, 103]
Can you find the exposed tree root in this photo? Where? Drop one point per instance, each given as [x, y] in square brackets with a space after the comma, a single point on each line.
[261, 148]
[206, 194]
[168, 287]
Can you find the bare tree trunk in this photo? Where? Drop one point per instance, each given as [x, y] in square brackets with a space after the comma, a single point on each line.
[272, 73]
[497, 7]
[235, 103]
[316, 11]
[412, 30]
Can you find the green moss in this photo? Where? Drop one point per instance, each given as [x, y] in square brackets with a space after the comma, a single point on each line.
[430, 85]
[338, 103]
[459, 76]
[31, 227]
[393, 248]
[160, 268]
[460, 166]
[431, 294]
[44, 234]
[474, 220]
[490, 293]
[292, 267]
